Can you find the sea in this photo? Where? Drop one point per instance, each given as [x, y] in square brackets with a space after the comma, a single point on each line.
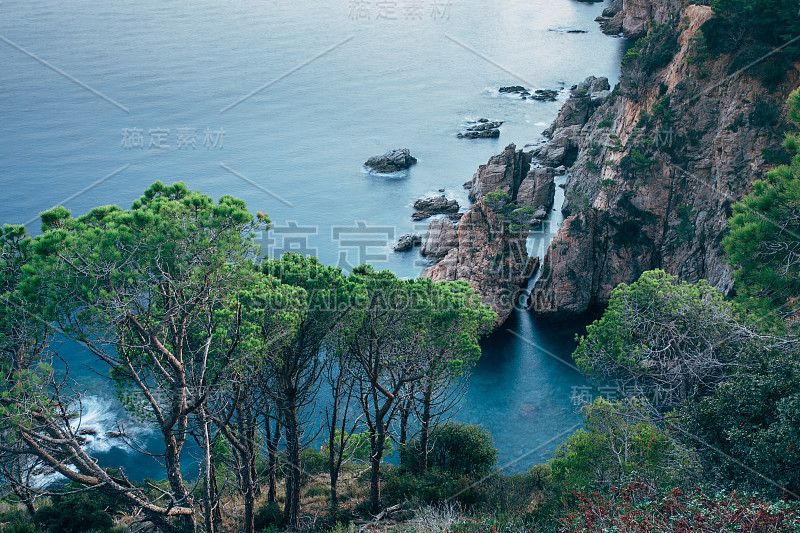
[279, 103]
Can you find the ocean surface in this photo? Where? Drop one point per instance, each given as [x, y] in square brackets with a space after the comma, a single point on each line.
[280, 103]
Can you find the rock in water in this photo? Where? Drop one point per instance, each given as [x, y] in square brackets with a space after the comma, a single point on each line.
[483, 250]
[482, 129]
[393, 161]
[434, 205]
[515, 89]
[545, 95]
[407, 242]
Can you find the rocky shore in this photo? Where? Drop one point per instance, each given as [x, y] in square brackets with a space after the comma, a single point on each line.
[487, 245]
[656, 164]
[653, 167]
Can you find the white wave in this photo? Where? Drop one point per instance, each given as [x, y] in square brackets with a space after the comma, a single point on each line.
[100, 419]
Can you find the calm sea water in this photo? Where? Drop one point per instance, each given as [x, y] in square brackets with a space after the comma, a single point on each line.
[279, 103]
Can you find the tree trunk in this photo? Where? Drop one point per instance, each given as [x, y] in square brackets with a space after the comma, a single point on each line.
[425, 426]
[294, 471]
[173, 467]
[208, 495]
[246, 471]
[375, 466]
[273, 439]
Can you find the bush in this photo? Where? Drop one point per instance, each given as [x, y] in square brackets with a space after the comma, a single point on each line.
[268, 516]
[74, 513]
[16, 522]
[455, 448]
[313, 462]
[433, 486]
[590, 458]
[634, 507]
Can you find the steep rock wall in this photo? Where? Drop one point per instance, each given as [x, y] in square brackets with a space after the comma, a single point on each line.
[659, 165]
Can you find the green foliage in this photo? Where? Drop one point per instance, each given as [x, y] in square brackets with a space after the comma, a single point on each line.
[618, 444]
[607, 122]
[435, 485]
[455, 448]
[699, 48]
[607, 184]
[763, 243]
[16, 522]
[74, 513]
[497, 200]
[754, 417]
[654, 51]
[639, 160]
[269, 517]
[670, 339]
[773, 22]
[685, 229]
[314, 462]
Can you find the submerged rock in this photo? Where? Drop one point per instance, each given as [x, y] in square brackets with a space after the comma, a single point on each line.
[393, 161]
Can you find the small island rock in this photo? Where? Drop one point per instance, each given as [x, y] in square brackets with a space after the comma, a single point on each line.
[393, 161]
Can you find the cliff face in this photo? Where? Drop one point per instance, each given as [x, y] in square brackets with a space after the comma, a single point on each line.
[659, 164]
[483, 248]
[634, 18]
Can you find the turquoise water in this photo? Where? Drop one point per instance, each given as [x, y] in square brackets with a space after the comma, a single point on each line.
[331, 83]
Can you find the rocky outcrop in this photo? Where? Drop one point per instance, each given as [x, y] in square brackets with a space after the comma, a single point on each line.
[542, 95]
[481, 129]
[503, 172]
[440, 237]
[486, 248]
[393, 161]
[538, 190]
[490, 257]
[407, 242]
[638, 16]
[611, 21]
[658, 165]
[434, 205]
[634, 18]
[564, 133]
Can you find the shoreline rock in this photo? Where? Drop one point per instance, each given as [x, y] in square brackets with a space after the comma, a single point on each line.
[482, 249]
[407, 242]
[434, 205]
[482, 129]
[392, 161]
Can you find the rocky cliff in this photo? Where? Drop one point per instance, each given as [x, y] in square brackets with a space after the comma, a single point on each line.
[634, 18]
[487, 246]
[659, 162]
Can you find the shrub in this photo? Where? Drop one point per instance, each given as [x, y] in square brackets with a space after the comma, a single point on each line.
[634, 507]
[268, 516]
[592, 457]
[16, 522]
[313, 462]
[74, 513]
[455, 448]
[432, 486]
